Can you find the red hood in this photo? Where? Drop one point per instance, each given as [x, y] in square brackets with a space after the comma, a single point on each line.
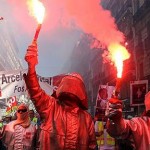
[73, 84]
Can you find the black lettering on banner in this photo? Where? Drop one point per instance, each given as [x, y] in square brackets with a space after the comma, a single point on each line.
[45, 80]
[17, 77]
[4, 79]
[8, 79]
[19, 89]
[11, 78]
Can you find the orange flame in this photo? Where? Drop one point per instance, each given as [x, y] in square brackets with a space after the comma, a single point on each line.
[118, 54]
[36, 9]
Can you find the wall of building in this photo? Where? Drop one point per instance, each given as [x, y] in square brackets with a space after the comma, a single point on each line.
[133, 20]
[9, 58]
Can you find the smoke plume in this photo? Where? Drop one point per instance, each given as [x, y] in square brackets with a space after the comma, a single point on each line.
[89, 16]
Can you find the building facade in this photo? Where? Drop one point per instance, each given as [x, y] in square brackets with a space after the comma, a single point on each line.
[141, 26]
[9, 58]
[133, 20]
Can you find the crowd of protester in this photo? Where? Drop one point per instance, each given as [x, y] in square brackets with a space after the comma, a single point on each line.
[63, 123]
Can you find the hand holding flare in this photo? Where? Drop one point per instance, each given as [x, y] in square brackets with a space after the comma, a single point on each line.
[114, 105]
[114, 109]
[37, 10]
[32, 55]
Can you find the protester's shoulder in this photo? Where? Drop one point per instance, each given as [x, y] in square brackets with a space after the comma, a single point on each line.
[138, 120]
[86, 113]
[10, 123]
[32, 125]
[144, 118]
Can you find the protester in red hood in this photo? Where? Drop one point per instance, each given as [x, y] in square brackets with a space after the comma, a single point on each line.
[137, 128]
[20, 133]
[66, 125]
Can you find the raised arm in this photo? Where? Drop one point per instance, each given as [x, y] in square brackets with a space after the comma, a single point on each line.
[41, 100]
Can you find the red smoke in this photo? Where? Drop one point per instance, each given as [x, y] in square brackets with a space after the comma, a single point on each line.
[21, 16]
[87, 15]
[92, 18]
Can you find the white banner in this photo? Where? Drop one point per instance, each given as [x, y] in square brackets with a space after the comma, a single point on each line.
[12, 84]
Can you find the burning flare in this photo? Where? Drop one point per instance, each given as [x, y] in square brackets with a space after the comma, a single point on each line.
[118, 54]
[36, 9]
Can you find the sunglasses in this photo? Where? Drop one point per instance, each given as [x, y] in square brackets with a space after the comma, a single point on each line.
[22, 110]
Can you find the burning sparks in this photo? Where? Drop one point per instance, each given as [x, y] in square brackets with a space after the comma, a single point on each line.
[118, 54]
[37, 10]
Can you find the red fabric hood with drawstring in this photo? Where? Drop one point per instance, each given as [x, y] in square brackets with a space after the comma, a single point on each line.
[73, 84]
